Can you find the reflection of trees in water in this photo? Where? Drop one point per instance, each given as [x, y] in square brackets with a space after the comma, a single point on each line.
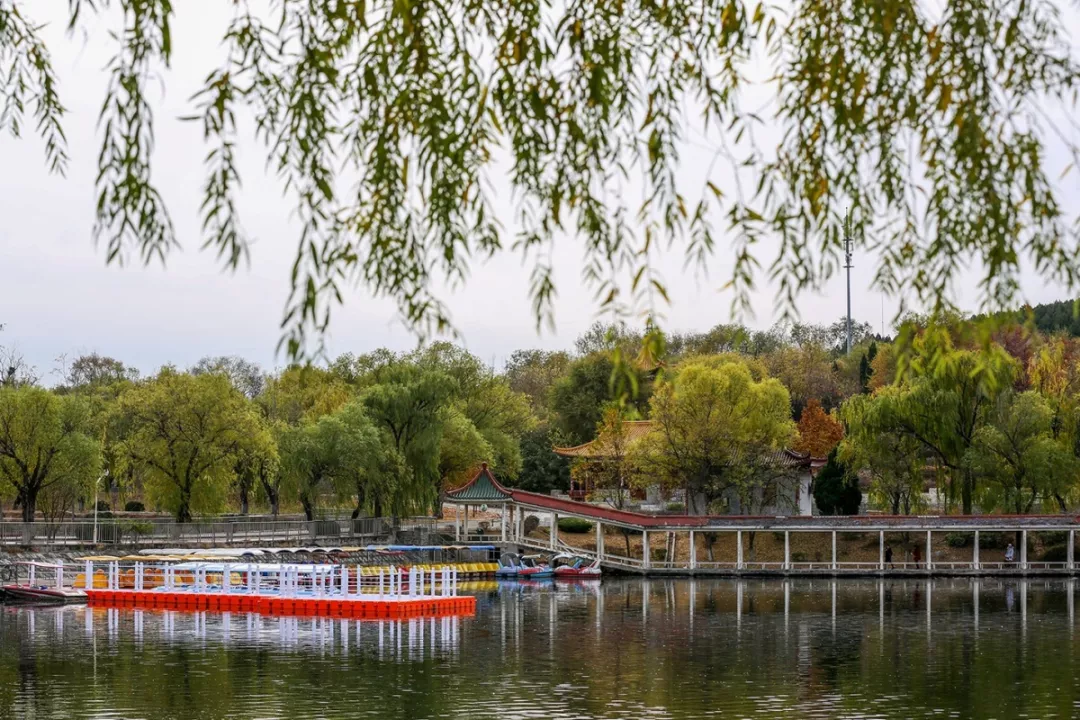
[596, 654]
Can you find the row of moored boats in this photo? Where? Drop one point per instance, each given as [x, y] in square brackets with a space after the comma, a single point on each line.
[562, 565]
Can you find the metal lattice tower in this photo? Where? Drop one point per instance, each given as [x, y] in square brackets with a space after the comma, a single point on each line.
[847, 266]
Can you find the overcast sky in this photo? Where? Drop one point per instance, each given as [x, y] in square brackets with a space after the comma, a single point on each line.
[58, 296]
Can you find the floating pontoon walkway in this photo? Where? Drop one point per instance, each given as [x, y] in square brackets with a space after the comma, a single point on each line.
[281, 589]
[348, 607]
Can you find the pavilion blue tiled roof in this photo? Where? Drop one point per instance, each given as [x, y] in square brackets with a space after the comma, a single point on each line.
[483, 488]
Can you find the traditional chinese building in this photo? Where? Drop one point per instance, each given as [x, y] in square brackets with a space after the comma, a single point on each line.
[788, 493]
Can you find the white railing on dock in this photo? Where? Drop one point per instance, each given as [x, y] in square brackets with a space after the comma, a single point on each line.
[284, 580]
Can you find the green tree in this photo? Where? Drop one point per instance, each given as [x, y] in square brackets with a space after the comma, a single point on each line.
[340, 453]
[809, 372]
[500, 414]
[894, 459]
[1055, 373]
[578, 399]
[409, 407]
[866, 368]
[836, 489]
[710, 425]
[257, 467]
[45, 443]
[461, 451]
[100, 381]
[369, 470]
[541, 469]
[302, 393]
[942, 402]
[309, 457]
[534, 373]
[187, 435]
[1016, 454]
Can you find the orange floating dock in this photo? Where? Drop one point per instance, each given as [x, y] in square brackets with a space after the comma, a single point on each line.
[398, 607]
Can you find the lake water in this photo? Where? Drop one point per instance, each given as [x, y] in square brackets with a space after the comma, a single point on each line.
[624, 648]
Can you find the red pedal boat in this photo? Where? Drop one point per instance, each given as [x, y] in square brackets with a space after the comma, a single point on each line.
[573, 566]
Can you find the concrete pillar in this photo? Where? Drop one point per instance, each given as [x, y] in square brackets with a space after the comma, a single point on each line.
[738, 550]
[929, 552]
[787, 550]
[833, 565]
[599, 540]
[1023, 550]
[457, 522]
[975, 552]
[465, 532]
[881, 549]
[1070, 551]
[645, 548]
[693, 552]
[502, 524]
[554, 531]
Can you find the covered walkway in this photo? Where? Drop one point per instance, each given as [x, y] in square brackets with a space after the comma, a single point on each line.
[918, 530]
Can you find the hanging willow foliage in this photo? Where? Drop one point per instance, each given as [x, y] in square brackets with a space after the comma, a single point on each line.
[392, 121]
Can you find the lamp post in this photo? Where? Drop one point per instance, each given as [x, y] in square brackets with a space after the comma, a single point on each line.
[97, 483]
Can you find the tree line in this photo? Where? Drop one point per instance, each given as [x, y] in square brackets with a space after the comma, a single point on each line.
[990, 422]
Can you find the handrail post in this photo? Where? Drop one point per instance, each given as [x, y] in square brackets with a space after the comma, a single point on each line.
[554, 530]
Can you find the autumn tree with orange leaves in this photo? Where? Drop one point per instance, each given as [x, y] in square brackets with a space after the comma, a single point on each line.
[819, 432]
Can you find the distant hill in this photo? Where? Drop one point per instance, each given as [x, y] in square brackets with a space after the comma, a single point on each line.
[1055, 317]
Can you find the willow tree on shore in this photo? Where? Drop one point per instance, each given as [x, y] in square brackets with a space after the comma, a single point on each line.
[46, 446]
[187, 435]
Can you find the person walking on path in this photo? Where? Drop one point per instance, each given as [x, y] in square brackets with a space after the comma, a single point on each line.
[916, 556]
[1010, 553]
[888, 557]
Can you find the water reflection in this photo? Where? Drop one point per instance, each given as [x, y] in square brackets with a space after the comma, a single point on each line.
[392, 639]
[684, 648]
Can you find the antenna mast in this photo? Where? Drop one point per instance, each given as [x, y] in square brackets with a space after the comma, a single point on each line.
[847, 266]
